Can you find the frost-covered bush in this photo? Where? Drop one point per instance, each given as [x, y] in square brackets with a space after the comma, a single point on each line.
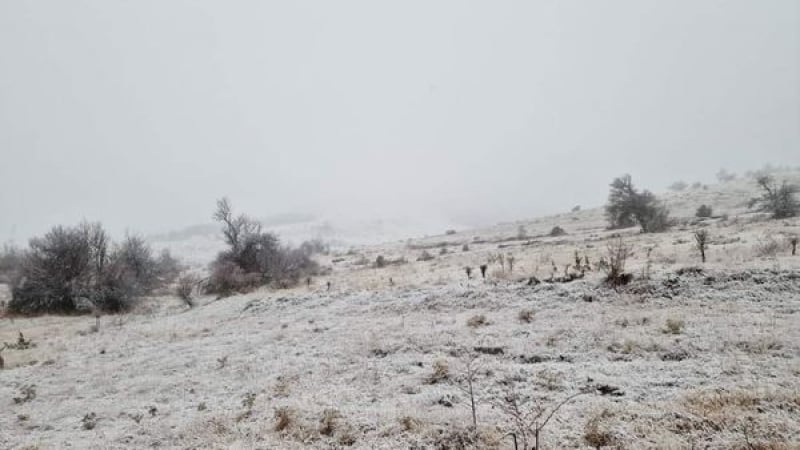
[627, 207]
[704, 211]
[425, 256]
[148, 271]
[69, 266]
[254, 257]
[227, 278]
[779, 200]
[380, 262]
[767, 246]
[185, 288]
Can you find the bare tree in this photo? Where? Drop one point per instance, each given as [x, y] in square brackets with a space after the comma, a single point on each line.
[528, 416]
[701, 241]
[98, 244]
[471, 366]
[138, 257]
[235, 229]
[618, 253]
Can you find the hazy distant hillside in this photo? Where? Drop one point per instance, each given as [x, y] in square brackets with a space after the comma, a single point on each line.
[198, 244]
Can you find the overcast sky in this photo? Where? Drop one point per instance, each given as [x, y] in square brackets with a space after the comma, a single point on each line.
[141, 113]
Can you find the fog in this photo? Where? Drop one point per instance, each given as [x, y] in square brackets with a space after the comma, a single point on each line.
[140, 114]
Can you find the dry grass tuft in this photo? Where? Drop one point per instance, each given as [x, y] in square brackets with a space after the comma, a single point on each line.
[477, 321]
[283, 386]
[525, 316]
[26, 394]
[596, 433]
[409, 423]
[440, 373]
[742, 410]
[347, 436]
[721, 401]
[674, 326]
[284, 418]
[760, 345]
[328, 422]
[767, 246]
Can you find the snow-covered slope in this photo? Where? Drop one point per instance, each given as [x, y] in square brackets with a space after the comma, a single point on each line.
[690, 355]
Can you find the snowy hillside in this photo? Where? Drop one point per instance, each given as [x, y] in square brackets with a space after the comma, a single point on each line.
[689, 355]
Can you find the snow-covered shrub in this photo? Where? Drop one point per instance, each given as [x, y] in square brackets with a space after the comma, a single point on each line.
[703, 211]
[425, 256]
[627, 207]
[228, 278]
[380, 262]
[673, 326]
[440, 372]
[71, 265]
[767, 246]
[477, 321]
[779, 200]
[148, 271]
[185, 288]
[255, 257]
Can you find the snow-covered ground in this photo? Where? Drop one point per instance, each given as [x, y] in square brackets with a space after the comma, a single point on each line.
[705, 358]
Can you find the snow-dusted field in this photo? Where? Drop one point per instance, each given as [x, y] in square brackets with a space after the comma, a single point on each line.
[678, 359]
